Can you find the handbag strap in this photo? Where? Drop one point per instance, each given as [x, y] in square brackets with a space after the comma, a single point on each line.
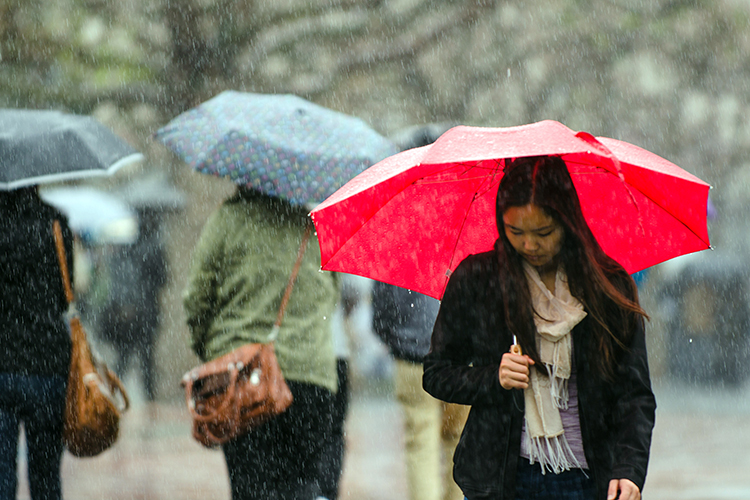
[57, 230]
[65, 273]
[290, 284]
[117, 383]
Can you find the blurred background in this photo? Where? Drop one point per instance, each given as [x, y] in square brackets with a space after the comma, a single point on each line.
[672, 76]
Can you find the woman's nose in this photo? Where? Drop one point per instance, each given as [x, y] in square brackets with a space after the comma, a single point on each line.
[530, 243]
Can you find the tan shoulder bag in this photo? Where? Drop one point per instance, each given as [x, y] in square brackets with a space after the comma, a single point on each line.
[96, 397]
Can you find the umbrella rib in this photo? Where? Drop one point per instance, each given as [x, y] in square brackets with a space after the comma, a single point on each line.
[482, 189]
[640, 219]
[491, 172]
[656, 204]
[487, 181]
[419, 181]
[618, 168]
[680, 220]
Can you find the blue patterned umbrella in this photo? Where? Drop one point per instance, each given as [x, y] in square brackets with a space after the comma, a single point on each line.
[281, 145]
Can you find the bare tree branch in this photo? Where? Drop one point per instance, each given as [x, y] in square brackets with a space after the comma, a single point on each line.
[414, 41]
[404, 47]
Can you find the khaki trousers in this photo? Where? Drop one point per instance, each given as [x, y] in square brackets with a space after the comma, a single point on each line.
[432, 429]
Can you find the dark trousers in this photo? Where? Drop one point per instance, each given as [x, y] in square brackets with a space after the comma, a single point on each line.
[280, 459]
[332, 460]
[531, 484]
[38, 402]
[143, 355]
[134, 339]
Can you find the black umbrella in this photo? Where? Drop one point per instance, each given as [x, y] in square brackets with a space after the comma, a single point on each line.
[38, 147]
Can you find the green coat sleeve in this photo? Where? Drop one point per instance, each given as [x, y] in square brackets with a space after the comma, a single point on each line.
[200, 298]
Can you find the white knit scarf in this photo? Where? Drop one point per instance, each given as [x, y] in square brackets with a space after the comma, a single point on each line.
[555, 316]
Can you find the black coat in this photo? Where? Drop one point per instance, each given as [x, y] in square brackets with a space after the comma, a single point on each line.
[468, 342]
[403, 320]
[34, 335]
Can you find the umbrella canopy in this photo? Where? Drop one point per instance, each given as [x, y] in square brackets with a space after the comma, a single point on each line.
[412, 218]
[98, 217]
[41, 146]
[281, 145]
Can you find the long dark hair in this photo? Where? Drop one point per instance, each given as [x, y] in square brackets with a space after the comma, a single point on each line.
[600, 283]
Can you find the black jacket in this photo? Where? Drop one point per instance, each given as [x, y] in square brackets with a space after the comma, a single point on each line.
[468, 342]
[403, 320]
[34, 335]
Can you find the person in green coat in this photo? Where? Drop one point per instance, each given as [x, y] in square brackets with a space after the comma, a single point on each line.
[240, 269]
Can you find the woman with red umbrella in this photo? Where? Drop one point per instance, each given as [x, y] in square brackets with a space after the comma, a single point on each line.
[569, 412]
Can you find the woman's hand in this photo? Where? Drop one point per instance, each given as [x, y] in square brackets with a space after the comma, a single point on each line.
[514, 371]
[627, 489]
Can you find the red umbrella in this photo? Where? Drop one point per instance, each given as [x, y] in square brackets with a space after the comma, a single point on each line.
[410, 219]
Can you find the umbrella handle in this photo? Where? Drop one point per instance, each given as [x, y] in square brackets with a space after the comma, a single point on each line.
[516, 347]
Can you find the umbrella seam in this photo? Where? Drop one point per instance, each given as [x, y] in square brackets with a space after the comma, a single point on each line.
[656, 203]
[486, 183]
[369, 219]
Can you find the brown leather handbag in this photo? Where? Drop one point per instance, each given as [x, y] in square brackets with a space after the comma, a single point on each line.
[230, 395]
[95, 398]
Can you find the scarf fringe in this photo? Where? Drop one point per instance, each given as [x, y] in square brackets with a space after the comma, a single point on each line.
[558, 388]
[552, 453]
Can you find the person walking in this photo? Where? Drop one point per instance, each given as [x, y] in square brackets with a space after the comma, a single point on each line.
[332, 459]
[241, 266]
[403, 320]
[135, 274]
[35, 345]
[544, 337]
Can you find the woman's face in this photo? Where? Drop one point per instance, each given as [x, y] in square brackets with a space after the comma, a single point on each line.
[536, 236]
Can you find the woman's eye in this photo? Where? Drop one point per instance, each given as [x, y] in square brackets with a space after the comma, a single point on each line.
[545, 234]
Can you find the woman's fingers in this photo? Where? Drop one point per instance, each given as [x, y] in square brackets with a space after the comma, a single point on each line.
[626, 489]
[514, 371]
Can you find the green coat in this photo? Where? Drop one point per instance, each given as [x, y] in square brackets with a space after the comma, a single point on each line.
[241, 266]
